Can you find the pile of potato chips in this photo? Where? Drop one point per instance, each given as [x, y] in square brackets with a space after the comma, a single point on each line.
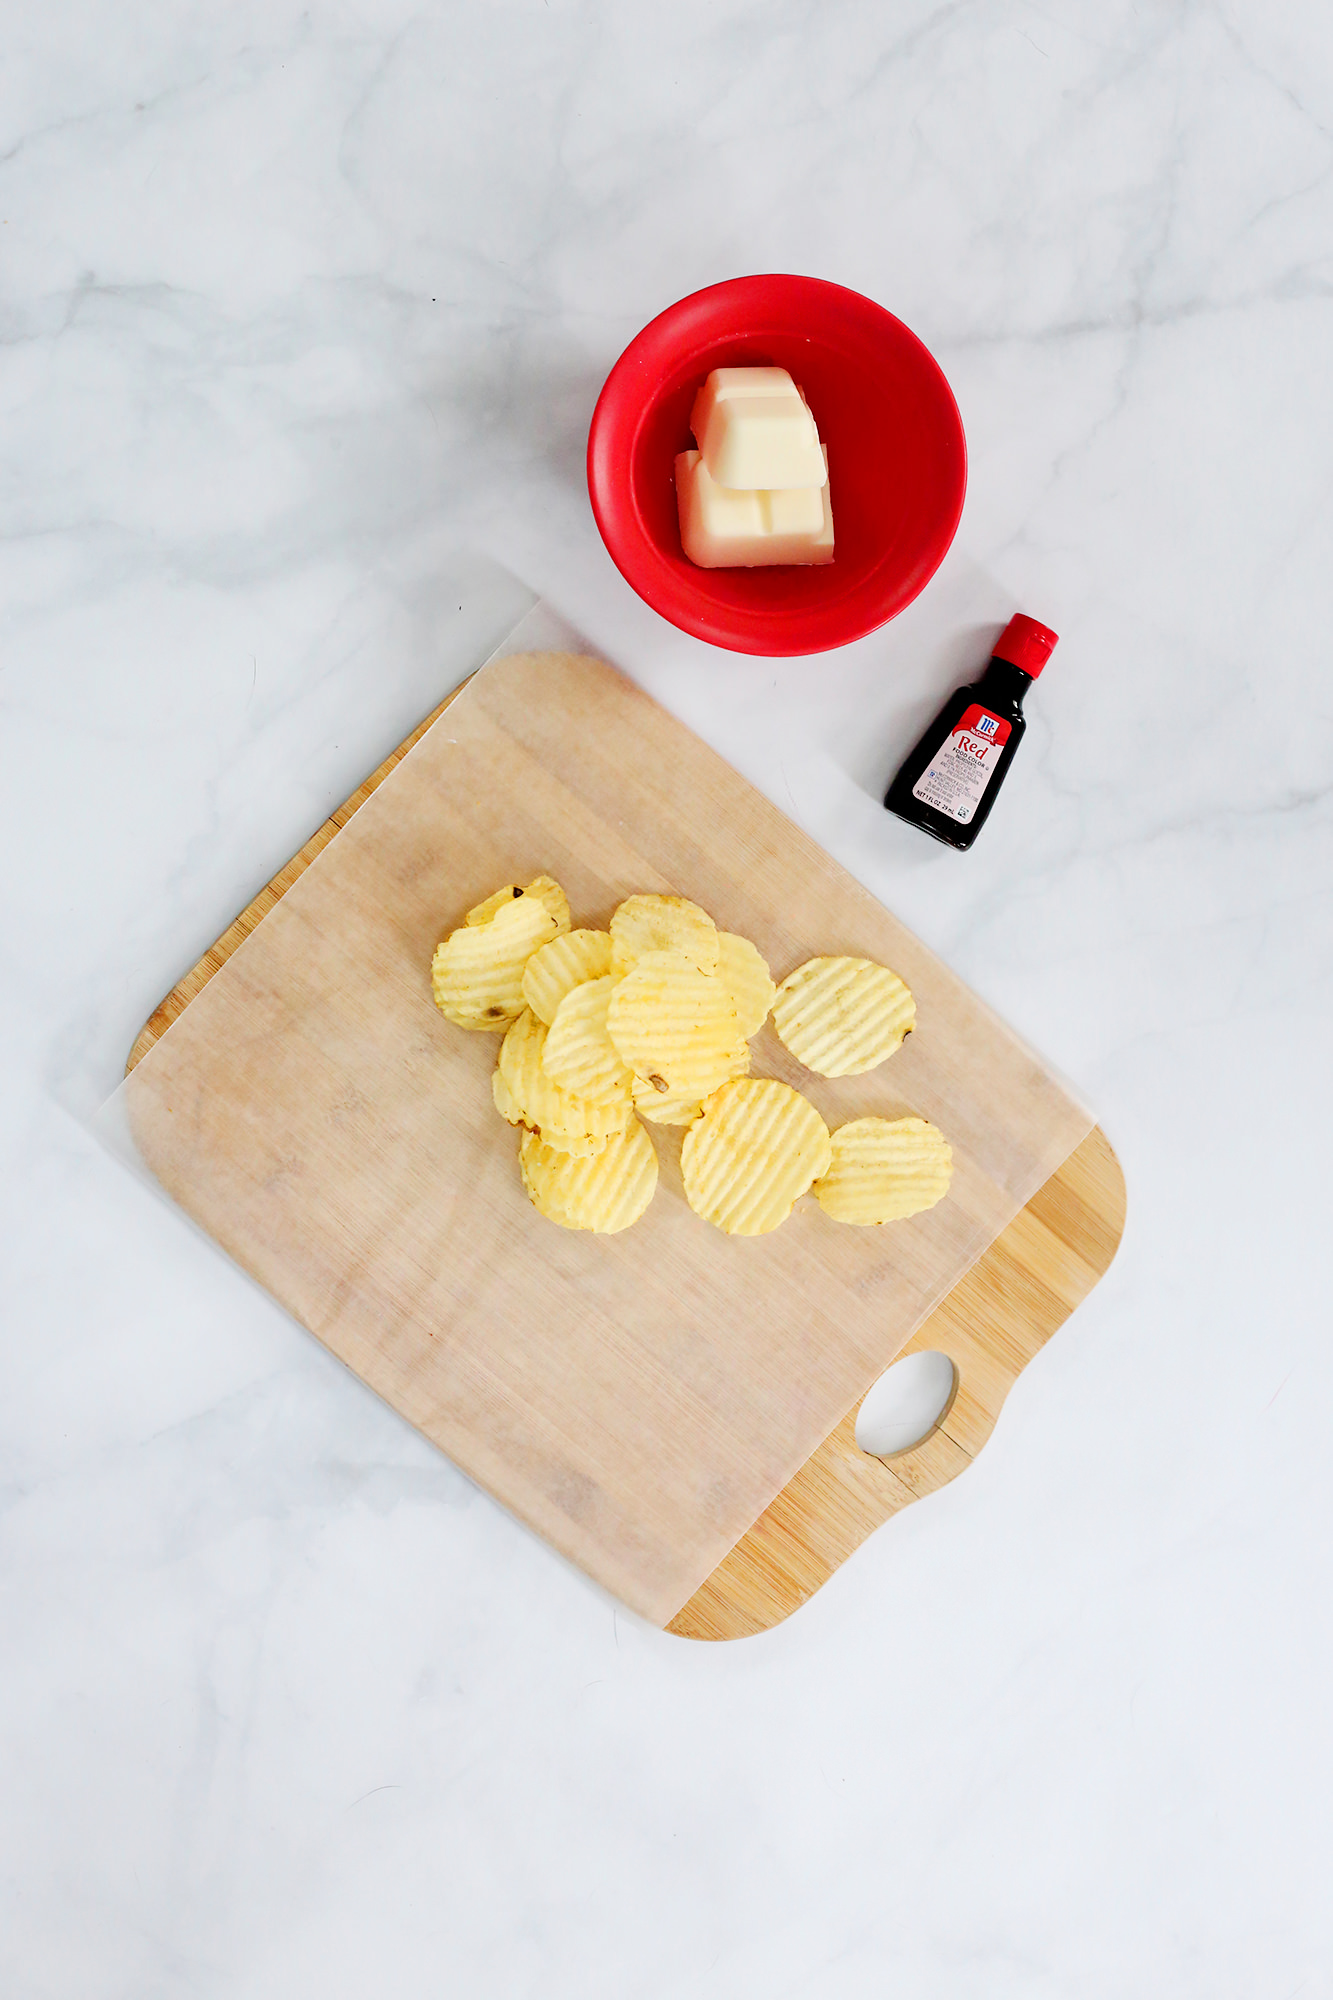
[652, 1020]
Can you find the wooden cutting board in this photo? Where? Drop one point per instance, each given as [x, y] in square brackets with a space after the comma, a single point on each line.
[670, 1408]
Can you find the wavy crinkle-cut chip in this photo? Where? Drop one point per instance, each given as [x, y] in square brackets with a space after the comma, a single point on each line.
[742, 970]
[644, 924]
[669, 1020]
[570, 1124]
[753, 1154]
[883, 1169]
[605, 1193]
[841, 1016]
[504, 1099]
[579, 1055]
[477, 972]
[481, 913]
[542, 887]
[547, 890]
[654, 1101]
[560, 966]
[666, 1110]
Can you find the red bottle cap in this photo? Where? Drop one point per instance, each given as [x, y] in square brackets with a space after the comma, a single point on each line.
[1026, 645]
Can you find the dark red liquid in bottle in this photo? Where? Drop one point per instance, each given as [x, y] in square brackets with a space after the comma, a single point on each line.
[949, 782]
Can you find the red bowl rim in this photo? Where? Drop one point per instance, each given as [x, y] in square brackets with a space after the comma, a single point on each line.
[612, 437]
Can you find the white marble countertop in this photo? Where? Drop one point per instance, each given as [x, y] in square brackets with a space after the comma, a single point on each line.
[300, 301]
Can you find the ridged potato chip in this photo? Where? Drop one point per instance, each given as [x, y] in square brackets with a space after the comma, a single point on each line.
[481, 913]
[645, 924]
[883, 1169]
[605, 1193]
[548, 891]
[561, 965]
[567, 1123]
[504, 1099]
[477, 972]
[661, 1108]
[841, 1016]
[741, 968]
[668, 1110]
[542, 887]
[675, 1025]
[753, 1154]
[579, 1054]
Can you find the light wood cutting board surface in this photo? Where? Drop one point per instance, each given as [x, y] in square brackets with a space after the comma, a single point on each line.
[643, 1400]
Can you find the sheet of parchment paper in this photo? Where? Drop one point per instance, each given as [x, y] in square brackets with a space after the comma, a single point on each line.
[637, 1399]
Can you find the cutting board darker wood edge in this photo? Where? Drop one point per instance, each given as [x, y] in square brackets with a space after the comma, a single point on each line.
[1017, 1294]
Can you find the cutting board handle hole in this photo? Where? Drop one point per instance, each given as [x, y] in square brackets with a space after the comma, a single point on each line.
[905, 1405]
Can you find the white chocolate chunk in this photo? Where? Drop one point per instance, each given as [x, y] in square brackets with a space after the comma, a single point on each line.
[721, 528]
[755, 431]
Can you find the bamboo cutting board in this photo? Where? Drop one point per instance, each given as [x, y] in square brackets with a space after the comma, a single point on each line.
[670, 1408]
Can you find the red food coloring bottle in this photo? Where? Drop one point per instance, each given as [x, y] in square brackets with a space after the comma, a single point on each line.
[949, 783]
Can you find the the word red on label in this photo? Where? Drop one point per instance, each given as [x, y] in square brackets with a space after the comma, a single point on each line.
[962, 767]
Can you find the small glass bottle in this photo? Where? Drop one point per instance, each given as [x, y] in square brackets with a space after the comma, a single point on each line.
[949, 782]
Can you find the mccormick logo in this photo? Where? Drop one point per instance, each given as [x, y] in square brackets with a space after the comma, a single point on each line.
[986, 725]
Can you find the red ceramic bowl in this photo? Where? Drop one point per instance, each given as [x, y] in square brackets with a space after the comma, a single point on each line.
[897, 461]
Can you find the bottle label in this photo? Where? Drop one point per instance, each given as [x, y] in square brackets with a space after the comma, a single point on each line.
[957, 775]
